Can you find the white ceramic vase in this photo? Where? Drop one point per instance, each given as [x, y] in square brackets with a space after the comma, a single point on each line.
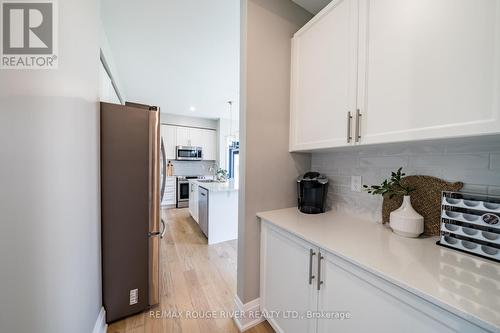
[406, 221]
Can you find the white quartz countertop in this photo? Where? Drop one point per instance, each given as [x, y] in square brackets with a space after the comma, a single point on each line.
[465, 285]
[229, 186]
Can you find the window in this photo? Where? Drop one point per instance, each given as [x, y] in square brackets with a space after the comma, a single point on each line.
[234, 161]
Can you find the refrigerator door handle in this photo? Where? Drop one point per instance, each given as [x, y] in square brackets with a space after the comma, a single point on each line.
[154, 206]
[164, 229]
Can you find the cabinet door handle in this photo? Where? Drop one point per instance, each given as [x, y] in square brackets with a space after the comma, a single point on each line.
[349, 125]
[358, 125]
[311, 255]
[320, 257]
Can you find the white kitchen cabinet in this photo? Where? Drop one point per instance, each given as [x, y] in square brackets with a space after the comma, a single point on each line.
[196, 137]
[193, 201]
[183, 136]
[286, 266]
[422, 70]
[374, 304]
[368, 302]
[209, 145]
[170, 197]
[207, 140]
[324, 64]
[429, 69]
[169, 135]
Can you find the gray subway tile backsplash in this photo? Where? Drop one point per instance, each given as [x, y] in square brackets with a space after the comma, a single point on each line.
[495, 161]
[192, 168]
[384, 161]
[474, 161]
[471, 161]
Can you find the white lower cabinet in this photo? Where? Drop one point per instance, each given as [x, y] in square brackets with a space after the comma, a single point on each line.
[193, 201]
[170, 197]
[285, 284]
[374, 304]
[367, 302]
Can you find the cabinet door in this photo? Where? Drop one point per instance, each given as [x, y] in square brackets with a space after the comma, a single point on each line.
[183, 136]
[376, 305]
[196, 137]
[171, 190]
[429, 69]
[285, 280]
[324, 62]
[169, 134]
[209, 145]
[193, 201]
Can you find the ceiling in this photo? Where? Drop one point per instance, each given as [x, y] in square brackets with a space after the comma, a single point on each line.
[312, 6]
[182, 55]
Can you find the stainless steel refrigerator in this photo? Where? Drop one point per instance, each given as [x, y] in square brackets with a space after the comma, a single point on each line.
[130, 208]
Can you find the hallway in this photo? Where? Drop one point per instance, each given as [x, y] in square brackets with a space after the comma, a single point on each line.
[194, 277]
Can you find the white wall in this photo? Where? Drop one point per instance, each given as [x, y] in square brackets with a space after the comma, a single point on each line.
[268, 172]
[49, 185]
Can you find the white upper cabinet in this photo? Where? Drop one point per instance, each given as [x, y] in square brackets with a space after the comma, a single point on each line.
[209, 145]
[413, 69]
[183, 136]
[429, 69]
[324, 60]
[196, 137]
[169, 135]
[174, 136]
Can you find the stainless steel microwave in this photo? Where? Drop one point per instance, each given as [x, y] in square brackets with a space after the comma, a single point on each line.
[185, 153]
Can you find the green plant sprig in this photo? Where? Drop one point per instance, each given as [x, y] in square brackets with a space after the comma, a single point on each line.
[392, 187]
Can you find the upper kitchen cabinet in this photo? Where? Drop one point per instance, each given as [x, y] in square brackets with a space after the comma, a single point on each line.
[205, 138]
[196, 137]
[169, 135]
[405, 70]
[323, 87]
[210, 145]
[174, 136]
[428, 69]
[183, 137]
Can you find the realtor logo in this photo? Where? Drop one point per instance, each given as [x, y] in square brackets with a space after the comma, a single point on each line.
[29, 38]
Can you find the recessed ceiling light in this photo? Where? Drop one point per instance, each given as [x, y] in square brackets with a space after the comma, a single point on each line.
[192, 109]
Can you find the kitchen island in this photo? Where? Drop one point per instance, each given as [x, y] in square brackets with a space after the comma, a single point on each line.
[214, 206]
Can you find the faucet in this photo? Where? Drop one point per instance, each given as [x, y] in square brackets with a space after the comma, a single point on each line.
[213, 170]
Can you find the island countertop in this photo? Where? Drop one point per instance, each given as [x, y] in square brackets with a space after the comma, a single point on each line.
[463, 284]
[229, 186]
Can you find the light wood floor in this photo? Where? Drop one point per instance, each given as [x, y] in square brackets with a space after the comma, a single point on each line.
[194, 277]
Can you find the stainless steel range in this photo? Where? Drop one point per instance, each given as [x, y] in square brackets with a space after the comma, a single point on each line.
[183, 189]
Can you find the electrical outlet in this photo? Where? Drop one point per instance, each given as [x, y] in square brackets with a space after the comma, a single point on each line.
[134, 296]
[356, 184]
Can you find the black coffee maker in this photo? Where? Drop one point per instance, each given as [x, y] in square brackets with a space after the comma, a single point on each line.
[312, 189]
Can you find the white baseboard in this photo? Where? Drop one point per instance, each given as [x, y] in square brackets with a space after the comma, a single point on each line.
[100, 324]
[246, 320]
